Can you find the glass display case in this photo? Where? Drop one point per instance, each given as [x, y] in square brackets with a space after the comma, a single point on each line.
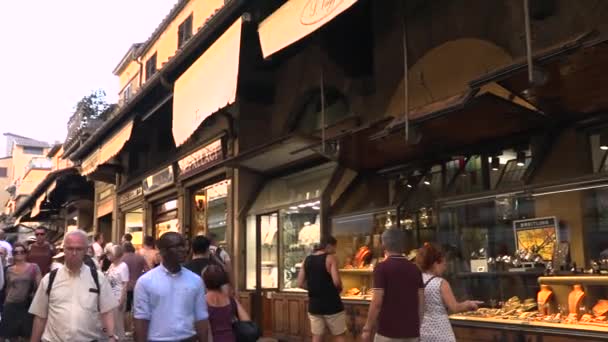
[301, 231]
[209, 210]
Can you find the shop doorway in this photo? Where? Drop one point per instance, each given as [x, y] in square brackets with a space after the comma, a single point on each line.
[104, 226]
[263, 260]
[134, 225]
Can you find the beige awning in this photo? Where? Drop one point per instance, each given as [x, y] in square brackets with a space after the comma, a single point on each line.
[36, 208]
[110, 148]
[208, 85]
[297, 19]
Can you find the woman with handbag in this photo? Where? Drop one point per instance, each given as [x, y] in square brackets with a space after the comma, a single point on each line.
[228, 320]
[21, 280]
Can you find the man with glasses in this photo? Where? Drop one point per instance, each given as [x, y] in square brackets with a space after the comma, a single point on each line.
[74, 303]
[41, 252]
[169, 300]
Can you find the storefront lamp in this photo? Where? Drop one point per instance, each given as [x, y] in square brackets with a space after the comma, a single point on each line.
[427, 180]
[521, 158]
[495, 163]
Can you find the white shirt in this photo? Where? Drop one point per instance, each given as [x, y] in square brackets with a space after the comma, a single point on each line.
[118, 276]
[224, 256]
[98, 250]
[9, 249]
[71, 311]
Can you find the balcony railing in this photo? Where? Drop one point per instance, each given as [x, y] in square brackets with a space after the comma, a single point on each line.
[81, 127]
[39, 163]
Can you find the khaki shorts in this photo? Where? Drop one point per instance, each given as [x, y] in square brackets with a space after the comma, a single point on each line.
[380, 338]
[336, 324]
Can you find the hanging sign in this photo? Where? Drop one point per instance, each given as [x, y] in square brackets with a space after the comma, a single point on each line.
[201, 158]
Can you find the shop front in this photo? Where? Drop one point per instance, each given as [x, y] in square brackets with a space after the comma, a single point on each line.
[131, 214]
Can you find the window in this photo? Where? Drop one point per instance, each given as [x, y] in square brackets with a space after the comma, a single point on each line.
[126, 94]
[33, 150]
[151, 66]
[3, 172]
[184, 32]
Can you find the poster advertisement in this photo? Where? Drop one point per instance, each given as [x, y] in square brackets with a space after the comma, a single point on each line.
[537, 235]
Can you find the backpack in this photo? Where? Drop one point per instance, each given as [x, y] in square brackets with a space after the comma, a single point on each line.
[94, 274]
[216, 257]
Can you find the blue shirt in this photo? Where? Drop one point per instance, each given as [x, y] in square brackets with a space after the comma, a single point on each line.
[171, 302]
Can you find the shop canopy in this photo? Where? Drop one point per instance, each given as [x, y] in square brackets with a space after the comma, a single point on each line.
[208, 85]
[289, 151]
[297, 19]
[107, 150]
[570, 80]
[37, 197]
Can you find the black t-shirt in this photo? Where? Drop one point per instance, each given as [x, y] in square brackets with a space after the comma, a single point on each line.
[323, 296]
[198, 265]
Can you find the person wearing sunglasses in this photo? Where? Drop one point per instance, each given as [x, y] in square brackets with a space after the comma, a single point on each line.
[41, 252]
[22, 279]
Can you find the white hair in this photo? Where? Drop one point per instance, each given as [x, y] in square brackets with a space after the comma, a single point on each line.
[78, 232]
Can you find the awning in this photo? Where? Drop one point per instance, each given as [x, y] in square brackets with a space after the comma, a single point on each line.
[48, 184]
[571, 78]
[297, 19]
[277, 155]
[110, 148]
[209, 84]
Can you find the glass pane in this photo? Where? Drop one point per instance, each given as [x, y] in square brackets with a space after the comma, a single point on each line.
[210, 210]
[165, 226]
[301, 230]
[134, 223]
[250, 250]
[269, 226]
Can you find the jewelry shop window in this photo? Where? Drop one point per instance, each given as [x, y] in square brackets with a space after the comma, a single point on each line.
[165, 218]
[210, 209]
[287, 217]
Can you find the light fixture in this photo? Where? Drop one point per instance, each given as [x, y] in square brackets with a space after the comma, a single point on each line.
[604, 141]
[521, 158]
[427, 180]
[316, 208]
[495, 163]
[409, 185]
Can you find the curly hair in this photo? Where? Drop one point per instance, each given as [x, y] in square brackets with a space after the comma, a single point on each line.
[429, 255]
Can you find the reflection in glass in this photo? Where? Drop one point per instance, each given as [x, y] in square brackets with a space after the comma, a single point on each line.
[269, 227]
[301, 230]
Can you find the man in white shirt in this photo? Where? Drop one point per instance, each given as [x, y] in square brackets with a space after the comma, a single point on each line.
[98, 246]
[6, 245]
[75, 306]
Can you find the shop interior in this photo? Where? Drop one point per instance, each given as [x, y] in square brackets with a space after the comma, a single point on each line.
[134, 225]
[210, 210]
[165, 218]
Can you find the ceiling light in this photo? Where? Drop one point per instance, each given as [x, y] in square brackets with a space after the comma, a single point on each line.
[604, 141]
[495, 163]
[316, 208]
[427, 180]
[521, 158]
[409, 185]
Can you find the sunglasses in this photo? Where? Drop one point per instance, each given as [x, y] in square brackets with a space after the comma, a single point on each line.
[40, 234]
[18, 252]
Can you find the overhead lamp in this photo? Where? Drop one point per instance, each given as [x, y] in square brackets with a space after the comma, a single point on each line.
[604, 141]
[409, 185]
[495, 163]
[427, 180]
[521, 158]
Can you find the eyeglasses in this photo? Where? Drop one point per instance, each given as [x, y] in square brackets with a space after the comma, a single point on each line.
[17, 252]
[40, 234]
[74, 250]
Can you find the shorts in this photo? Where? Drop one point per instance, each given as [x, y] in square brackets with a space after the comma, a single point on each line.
[336, 324]
[129, 303]
[380, 338]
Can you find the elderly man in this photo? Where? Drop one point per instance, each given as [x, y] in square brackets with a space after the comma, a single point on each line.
[398, 297]
[170, 300]
[7, 246]
[71, 300]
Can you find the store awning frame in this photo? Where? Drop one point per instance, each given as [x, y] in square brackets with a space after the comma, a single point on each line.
[38, 194]
[108, 149]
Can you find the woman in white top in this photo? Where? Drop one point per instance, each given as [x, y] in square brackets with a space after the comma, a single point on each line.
[438, 297]
[118, 277]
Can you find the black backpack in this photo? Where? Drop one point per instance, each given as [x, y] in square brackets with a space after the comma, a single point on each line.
[94, 274]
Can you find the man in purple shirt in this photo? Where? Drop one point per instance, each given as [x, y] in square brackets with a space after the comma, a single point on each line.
[137, 266]
[398, 299]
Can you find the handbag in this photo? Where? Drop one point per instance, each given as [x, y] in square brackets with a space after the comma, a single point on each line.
[244, 331]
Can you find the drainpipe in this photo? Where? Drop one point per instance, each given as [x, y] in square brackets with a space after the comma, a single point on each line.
[528, 42]
[141, 70]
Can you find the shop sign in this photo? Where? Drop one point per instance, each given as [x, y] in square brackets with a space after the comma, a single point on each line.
[132, 194]
[158, 180]
[316, 11]
[537, 236]
[203, 157]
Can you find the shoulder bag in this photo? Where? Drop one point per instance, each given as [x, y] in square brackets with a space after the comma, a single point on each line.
[244, 331]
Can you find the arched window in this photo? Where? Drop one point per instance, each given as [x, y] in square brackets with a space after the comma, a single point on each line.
[310, 118]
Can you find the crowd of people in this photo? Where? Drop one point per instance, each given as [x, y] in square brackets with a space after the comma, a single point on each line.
[102, 291]
[410, 300]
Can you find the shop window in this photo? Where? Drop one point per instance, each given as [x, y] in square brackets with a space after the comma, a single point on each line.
[510, 169]
[134, 224]
[165, 218]
[286, 217]
[466, 175]
[37, 151]
[3, 172]
[210, 210]
[311, 117]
